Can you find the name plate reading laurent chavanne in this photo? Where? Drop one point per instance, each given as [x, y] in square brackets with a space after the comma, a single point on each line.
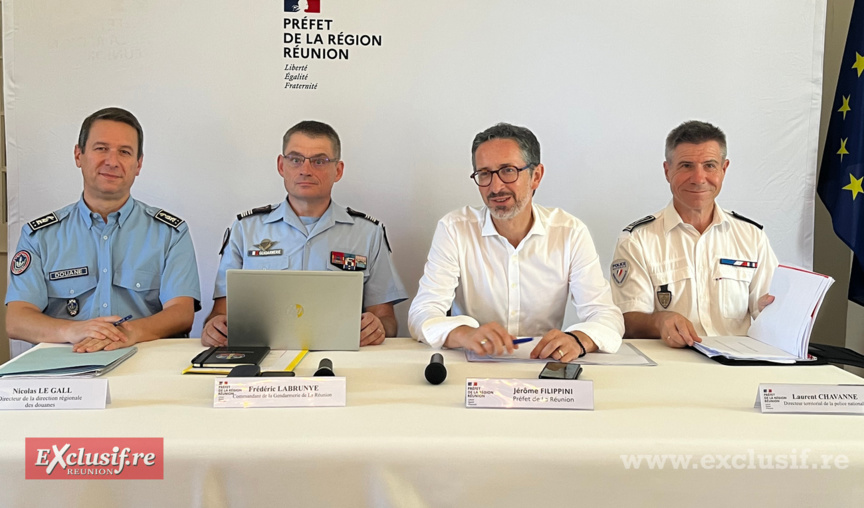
[793, 398]
[53, 393]
[529, 393]
[279, 392]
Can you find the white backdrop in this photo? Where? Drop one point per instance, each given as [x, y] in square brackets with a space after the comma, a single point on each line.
[600, 83]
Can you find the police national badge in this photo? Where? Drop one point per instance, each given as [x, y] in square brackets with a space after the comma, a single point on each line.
[664, 296]
[620, 268]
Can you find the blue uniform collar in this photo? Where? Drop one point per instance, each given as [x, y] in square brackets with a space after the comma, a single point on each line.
[335, 213]
[86, 214]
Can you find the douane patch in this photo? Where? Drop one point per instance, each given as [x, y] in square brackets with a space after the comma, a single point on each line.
[20, 262]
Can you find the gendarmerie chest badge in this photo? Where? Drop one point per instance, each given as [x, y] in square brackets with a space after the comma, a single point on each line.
[265, 248]
[72, 307]
[664, 296]
[347, 261]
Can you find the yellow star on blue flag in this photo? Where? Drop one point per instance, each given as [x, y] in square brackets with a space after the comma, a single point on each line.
[854, 186]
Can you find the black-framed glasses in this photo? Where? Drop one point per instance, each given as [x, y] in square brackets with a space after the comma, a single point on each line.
[508, 174]
[317, 161]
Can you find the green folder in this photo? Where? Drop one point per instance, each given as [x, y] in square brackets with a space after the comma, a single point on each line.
[61, 361]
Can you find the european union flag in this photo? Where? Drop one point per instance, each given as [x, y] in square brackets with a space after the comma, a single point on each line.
[842, 172]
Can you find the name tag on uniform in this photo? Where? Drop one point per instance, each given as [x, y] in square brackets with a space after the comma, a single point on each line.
[68, 273]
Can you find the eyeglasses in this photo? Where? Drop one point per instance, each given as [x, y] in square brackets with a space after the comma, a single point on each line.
[317, 161]
[507, 174]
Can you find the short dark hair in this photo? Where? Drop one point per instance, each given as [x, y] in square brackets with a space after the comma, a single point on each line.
[527, 141]
[315, 129]
[694, 132]
[114, 115]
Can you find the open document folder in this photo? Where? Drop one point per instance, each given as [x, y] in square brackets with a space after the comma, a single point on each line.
[781, 332]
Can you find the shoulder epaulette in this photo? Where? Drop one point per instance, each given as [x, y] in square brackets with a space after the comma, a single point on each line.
[373, 220]
[745, 219]
[255, 211]
[225, 239]
[169, 219]
[44, 221]
[355, 213]
[640, 222]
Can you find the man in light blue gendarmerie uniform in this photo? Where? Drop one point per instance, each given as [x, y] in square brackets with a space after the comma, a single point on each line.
[79, 271]
[308, 231]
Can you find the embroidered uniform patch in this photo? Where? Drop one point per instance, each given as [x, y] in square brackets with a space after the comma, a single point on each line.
[620, 269]
[44, 221]
[20, 262]
[68, 273]
[265, 248]
[167, 218]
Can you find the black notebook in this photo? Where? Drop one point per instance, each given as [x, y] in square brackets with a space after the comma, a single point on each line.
[228, 357]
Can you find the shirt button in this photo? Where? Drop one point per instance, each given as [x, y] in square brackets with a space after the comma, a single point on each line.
[104, 270]
[71, 291]
[104, 305]
[513, 285]
[105, 237]
[137, 284]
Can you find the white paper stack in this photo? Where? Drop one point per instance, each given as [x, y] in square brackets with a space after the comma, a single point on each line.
[781, 333]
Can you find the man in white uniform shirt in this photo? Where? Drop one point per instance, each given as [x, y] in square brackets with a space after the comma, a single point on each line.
[692, 269]
[515, 264]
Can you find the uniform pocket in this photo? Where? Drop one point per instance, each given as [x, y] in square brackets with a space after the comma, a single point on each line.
[73, 287]
[672, 288]
[733, 289]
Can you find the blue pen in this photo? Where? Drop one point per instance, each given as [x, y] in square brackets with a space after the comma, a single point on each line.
[523, 340]
[127, 318]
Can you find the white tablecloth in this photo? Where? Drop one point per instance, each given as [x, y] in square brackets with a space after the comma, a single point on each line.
[403, 442]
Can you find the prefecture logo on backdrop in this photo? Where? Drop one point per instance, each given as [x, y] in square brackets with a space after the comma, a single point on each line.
[302, 6]
[94, 458]
[308, 37]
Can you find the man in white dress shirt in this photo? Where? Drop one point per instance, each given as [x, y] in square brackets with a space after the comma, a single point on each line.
[515, 264]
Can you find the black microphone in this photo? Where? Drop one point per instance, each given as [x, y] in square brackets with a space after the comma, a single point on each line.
[436, 373]
[325, 368]
[245, 371]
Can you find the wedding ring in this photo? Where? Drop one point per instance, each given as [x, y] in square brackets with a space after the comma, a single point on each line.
[560, 353]
[483, 342]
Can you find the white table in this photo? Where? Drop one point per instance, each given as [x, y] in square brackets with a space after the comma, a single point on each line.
[403, 442]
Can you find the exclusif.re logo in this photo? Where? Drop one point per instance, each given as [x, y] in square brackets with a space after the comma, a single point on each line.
[92, 458]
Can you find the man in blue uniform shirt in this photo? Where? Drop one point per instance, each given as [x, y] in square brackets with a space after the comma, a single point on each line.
[308, 231]
[80, 270]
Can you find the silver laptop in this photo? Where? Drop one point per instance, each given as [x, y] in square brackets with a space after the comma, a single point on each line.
[295, 309]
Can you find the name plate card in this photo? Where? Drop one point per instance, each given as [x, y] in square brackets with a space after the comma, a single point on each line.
[279, 392]
[529, 393]
[54, 393]
[795, 398]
